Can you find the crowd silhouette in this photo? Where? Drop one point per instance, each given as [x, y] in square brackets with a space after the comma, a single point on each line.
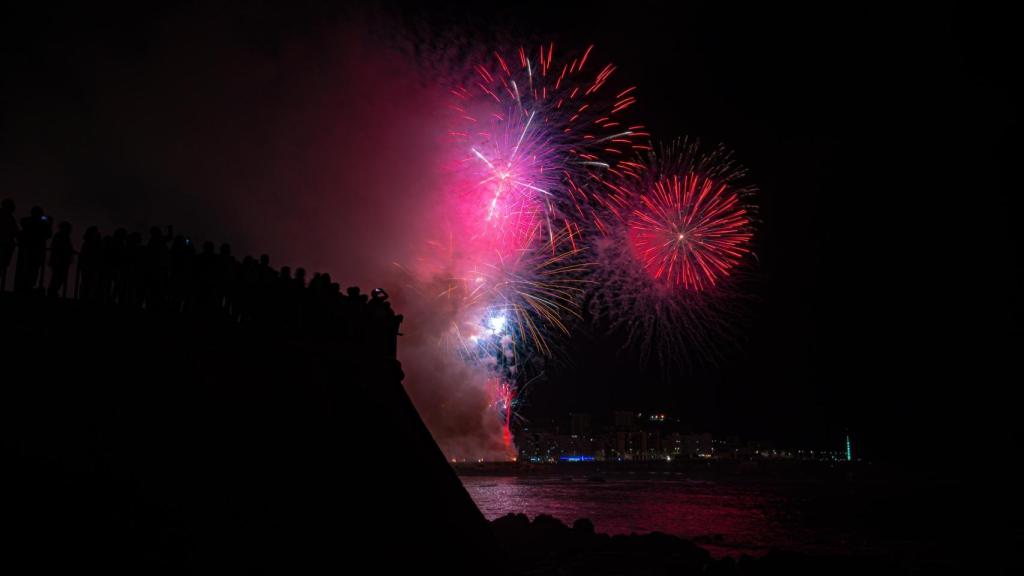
[173, 405]
[166, 273]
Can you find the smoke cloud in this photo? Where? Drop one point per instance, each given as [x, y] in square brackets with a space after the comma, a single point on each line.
[321, 147]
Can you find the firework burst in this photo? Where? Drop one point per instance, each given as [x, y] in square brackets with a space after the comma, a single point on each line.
[526, 295]
[672, 255]
[690, 230]
[529, 128]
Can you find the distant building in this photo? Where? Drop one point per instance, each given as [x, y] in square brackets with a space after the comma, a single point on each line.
[698, 445]
[579, 424]
[623, 419]
[653, 449]
[553, 447]
[537, 447]
[631, 445]
[672, 445]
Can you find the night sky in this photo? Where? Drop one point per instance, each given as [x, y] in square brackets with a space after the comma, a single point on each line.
[884, 298]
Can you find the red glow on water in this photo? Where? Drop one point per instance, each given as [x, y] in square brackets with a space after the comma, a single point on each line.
[728, 519]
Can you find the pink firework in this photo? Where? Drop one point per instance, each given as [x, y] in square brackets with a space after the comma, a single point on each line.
[690, 230]
[527, 128]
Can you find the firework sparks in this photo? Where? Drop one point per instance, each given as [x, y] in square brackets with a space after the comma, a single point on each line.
[531, 127]
[673, 243]
[552, 196]
[527, 294]
[690, 230]
[526, 129]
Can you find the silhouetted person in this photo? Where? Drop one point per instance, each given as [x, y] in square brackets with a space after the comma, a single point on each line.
[266, 278]
[61, 253]
[379, 309]
[390, 324]
[134, 273]
[281, 301]
[355, 296]
[383, 327]
[335, 305]
[157, 264]
[36, 229]
[206, 277]
[8, 238]
[296, 293]
[116, 264]
[227, 278]
[182, 258]
[90, 261]
[108, 263]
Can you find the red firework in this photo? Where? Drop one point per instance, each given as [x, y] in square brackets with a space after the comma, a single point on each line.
[504, 392]
[690, 230]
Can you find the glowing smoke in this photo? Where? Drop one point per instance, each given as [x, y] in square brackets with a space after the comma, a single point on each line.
[319, 148]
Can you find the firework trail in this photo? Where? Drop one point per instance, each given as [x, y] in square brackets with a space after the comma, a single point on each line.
[500, 309]
[673, 253]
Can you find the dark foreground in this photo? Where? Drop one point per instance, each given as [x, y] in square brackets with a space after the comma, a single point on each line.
[163, 441]
[547, 546]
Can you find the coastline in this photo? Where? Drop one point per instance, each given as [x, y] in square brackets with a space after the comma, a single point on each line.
[686, 469]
